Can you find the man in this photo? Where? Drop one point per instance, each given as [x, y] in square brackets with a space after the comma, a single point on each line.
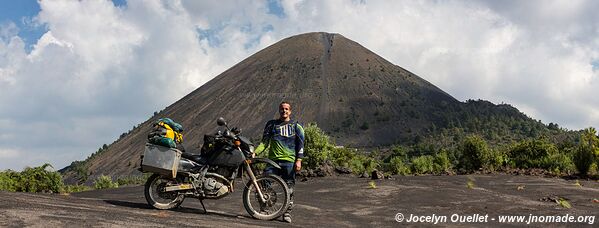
[284, 139]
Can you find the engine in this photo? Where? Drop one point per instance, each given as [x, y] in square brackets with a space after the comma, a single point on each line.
[214, 187]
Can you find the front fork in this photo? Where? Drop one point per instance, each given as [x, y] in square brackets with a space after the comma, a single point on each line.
[254, 182]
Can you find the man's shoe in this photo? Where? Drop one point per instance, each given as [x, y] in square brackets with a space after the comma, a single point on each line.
[287, 217]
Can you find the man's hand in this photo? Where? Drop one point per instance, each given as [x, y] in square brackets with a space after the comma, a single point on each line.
[298, 165]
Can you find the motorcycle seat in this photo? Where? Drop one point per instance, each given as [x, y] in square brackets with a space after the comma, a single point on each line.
[194, 157]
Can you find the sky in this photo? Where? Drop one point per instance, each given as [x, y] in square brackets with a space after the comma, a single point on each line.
[76, 74]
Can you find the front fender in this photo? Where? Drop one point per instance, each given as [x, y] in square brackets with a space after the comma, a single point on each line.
[265, 160]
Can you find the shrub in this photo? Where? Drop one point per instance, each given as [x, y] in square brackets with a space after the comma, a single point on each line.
[423, 164]
[539, 153]
[474, 153]
[370, 164]
[558, 163]
[104, 181]
[317, 146]
[583, 159]
[36, 179]
[493, 160]
[441, 163]
[588, 151]
[39, 179]
[531, 153]
[8, 180]
[398, 166]
[341, 156]
[401, 152]
[358, 163]
[357, 166]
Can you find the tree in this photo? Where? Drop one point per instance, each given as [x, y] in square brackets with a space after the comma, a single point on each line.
[472, 149]
[588, 150]
[589, 139]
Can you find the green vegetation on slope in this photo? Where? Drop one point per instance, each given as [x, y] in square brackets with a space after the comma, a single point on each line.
[470, 154]
[43, 179]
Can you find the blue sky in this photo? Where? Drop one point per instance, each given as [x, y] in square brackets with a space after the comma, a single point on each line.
[22, 13]
[76, 74]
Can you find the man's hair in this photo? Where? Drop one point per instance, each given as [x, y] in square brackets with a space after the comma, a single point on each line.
[285, 102]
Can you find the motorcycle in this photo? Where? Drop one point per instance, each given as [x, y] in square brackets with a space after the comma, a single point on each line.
[211, 175]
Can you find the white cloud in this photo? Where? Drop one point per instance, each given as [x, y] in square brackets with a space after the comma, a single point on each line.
[97, 70]
[8, 153]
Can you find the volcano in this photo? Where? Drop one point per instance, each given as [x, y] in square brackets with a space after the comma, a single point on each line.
[357, 97]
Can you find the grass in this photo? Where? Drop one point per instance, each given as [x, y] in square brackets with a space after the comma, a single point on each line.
[371, 185]
[470, 183]
[564, 203]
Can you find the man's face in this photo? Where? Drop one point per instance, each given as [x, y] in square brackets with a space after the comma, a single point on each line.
[285, 111]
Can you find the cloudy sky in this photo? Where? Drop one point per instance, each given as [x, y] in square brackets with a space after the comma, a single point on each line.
[76, 74]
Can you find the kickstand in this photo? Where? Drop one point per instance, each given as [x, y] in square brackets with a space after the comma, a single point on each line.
[205, 211]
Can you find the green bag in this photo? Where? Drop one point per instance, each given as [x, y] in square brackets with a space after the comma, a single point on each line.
[166, 132]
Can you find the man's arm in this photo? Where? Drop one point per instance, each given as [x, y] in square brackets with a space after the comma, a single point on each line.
[266, 135]
[299, 146]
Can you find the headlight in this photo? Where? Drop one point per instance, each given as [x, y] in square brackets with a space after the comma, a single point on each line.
[251, 149]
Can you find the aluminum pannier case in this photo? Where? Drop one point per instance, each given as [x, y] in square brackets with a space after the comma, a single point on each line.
[160, 159]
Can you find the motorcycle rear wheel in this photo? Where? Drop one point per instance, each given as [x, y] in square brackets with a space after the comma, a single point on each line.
[276, 193]
[157, 198]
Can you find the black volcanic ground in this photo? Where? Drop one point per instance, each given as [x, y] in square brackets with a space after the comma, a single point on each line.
[323, 202]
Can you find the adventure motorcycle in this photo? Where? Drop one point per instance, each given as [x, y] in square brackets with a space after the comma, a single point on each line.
[211, 174]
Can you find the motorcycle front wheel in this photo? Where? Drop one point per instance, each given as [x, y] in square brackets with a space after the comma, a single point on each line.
[157, 197]
[276, 195]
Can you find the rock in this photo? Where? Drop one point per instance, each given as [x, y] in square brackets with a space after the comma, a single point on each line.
[303, 173]
[365, 175]
[311, 173]
[324, 170]
[343, 170]
[377, 175]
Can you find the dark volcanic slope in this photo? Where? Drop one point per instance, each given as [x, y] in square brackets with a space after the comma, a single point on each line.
[357, 96]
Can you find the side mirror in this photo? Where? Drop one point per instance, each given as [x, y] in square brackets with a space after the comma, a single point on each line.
[221, 121]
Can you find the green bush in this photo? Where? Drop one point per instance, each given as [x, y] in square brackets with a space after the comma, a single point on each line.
[401, 152]
[531, 153]
[317, 146]
[8, 180]
[36, 179]
[370, 164]
[558, 163]
[583, 159]
[104, 181]
[441, 163]
[493, 160]
[39, 179]
[474, 154]
[342, 156]
[398, 166]
[423, 164]
[587, 151]
[350, 158]
[540, 153]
